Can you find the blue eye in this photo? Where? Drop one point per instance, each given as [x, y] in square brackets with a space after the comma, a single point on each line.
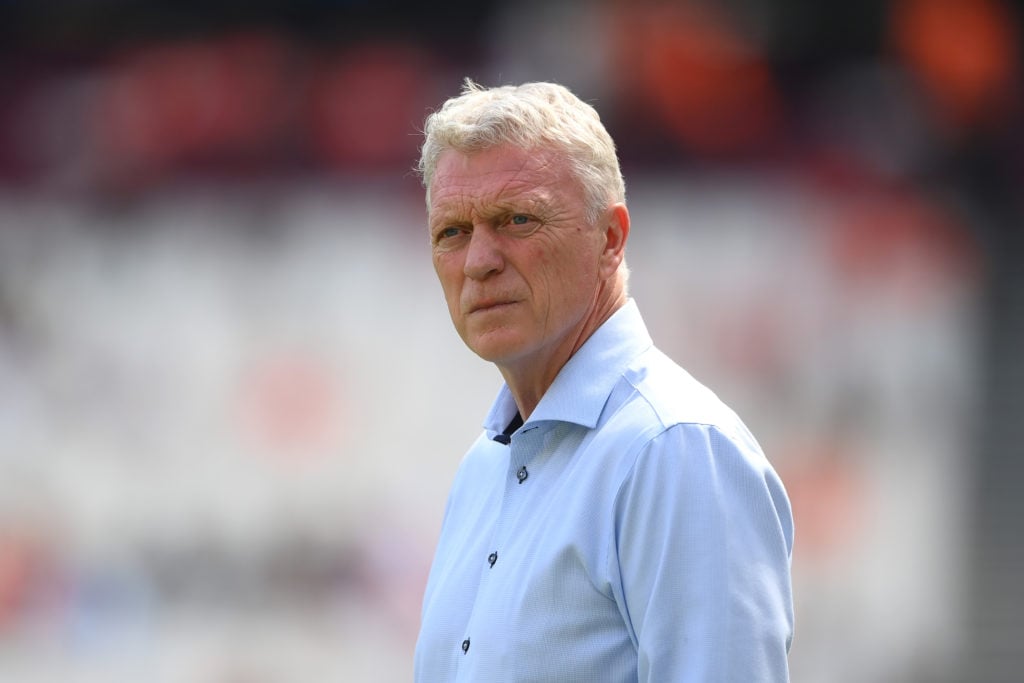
[520, 224]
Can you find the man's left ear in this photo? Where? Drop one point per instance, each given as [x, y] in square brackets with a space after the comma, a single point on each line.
[616, 233]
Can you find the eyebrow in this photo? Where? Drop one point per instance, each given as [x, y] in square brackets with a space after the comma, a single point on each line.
[533, 201]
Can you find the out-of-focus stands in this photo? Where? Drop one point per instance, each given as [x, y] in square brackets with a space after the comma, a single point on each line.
[231, 400]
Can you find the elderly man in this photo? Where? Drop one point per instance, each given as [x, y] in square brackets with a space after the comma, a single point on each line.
[615, 521]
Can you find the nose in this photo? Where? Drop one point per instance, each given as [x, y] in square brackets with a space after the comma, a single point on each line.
[483, 254]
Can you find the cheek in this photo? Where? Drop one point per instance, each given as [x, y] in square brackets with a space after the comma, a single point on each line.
[544, 262]
[450, 288]
[448, 271]
[567, 271]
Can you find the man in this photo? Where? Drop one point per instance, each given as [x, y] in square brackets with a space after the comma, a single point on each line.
[615, 521]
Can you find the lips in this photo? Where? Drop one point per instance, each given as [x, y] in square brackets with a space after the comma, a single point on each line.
[490, 305]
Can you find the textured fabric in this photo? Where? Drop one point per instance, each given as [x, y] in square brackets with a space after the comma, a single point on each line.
[632, 530]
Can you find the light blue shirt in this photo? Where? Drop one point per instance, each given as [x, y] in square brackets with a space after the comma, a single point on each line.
[632, 530]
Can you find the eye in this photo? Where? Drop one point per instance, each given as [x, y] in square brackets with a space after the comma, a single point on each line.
[448, 235]
[521, 224]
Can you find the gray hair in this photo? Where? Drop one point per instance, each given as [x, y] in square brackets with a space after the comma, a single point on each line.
[527, 116]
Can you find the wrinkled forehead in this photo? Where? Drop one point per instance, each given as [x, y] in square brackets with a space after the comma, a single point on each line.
[498, 174]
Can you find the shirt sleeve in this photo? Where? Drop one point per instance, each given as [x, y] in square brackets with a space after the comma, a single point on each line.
[702, 553]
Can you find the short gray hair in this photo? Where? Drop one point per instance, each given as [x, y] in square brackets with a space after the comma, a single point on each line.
[527, 116]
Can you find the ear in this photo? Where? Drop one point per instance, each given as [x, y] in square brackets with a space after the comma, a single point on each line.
[616, 233]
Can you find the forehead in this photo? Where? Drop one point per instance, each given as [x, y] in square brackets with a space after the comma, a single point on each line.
[498, 175]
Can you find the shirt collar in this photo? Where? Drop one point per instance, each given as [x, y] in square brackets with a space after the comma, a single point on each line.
[582, 386]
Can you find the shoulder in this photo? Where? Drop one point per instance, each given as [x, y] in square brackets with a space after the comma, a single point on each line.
[692, 437]
[697, 444]
[671, 397]
[662, 423]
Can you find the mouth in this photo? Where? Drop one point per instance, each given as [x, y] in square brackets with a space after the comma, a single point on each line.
[488, 306]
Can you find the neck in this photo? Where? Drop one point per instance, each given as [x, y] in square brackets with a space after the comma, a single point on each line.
[529, 380]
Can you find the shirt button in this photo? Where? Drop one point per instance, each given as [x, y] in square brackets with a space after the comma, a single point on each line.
[492, 558]
[465, 646]
[522, 474]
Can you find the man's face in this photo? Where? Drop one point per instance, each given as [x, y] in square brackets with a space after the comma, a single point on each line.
[516, 257]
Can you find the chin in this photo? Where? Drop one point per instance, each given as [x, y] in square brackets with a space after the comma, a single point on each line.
[492, 354]
[496, 348]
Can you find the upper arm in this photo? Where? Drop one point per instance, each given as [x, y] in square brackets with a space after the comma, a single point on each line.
[702, 550]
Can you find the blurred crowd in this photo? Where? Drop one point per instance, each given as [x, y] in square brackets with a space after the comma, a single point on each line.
[230, 400]
[102, 95]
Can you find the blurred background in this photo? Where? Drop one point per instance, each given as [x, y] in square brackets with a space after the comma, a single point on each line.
[231, 401]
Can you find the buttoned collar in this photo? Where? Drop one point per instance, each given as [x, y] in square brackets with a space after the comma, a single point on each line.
[582, 386]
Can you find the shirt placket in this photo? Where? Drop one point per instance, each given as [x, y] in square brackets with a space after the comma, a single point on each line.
[520, 475]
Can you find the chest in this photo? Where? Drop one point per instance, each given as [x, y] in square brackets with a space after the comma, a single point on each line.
[522, 583]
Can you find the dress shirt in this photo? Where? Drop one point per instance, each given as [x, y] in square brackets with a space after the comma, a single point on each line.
[630, 530]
